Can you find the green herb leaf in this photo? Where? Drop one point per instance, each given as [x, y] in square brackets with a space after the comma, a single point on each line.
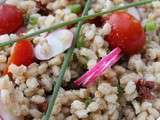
[26, 19]
[33, 20]
[80, 42]
[120, 90]
[150, 26]
[88, 101]
[75, 8]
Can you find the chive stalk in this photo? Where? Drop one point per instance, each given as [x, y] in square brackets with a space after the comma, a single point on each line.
[66, 62]
[80, 43]
[87, 17]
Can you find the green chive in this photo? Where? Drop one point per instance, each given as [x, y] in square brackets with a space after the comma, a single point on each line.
[80, 42]
[88, 101]
[75, 8]
[151, 26]
[33, 20]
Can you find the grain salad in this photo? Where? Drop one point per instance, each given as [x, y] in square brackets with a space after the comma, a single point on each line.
[112, 74]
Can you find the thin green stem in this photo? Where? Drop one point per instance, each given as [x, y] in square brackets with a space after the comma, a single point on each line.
[66, 62]
[60, 25]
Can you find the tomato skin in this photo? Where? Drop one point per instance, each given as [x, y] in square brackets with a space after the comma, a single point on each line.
[22, 53]
[127, 33]
[11, 19]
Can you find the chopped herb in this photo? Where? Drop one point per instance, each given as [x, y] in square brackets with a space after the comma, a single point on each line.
[80, 42]
[33, 20]
[120, 90]
[76, 8]
[150, 26]
[26, 19]
[88, 101]
[85, 65]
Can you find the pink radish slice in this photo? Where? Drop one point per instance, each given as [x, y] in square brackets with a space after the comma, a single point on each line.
[58, 41]
[103, 60]
[102, 70]
[100, 67]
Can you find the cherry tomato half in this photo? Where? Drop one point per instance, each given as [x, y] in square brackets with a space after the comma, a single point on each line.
[22, 53]
[127, 33]
[11, 19]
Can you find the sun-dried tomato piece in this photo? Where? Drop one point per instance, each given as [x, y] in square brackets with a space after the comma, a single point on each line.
[42, 9]
[98, 21]
[43, 106]
[145, 89]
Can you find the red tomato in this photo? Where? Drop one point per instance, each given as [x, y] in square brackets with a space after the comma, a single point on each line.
[11, 19]
[127, 33]
[22, 53]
